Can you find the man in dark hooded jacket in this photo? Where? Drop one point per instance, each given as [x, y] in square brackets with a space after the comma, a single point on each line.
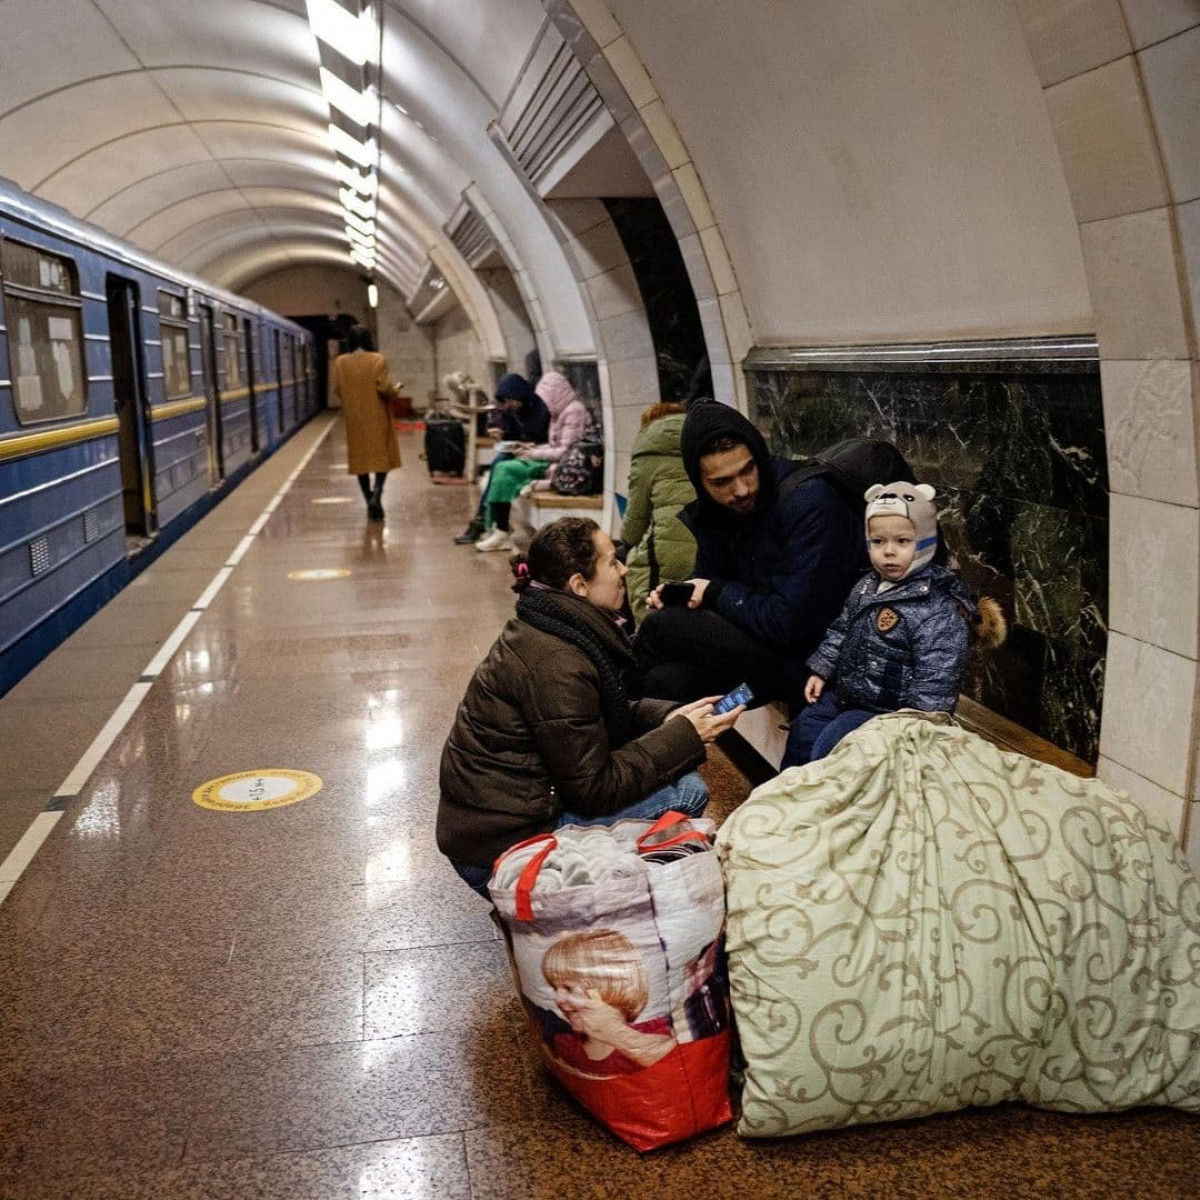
[779, 546]
[520, 416]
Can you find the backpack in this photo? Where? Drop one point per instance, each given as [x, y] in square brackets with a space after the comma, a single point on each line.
[580, 471]
[852, 466]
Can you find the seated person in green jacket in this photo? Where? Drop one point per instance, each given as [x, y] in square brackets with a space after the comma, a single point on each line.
[546, 734]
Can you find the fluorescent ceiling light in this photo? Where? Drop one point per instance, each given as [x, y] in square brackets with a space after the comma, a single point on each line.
[355, 38]
[365, 258]
[366, 183]
[361, 107]
[366, 242]
[366, 154]
[366, 228]
[372, 295]
[354, 203]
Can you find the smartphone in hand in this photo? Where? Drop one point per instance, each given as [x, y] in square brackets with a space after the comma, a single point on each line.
[675, 594]
[740, 695]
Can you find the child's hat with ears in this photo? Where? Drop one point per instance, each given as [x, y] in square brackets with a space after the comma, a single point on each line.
[914, 502]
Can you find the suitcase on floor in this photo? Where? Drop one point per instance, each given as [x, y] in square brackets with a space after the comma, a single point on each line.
[445, 445]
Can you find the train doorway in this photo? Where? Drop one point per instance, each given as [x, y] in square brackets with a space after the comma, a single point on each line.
[251, 382]
[129, 397]
[212, 400]
[279, 382]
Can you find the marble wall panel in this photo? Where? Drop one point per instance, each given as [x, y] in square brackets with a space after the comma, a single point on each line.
[584, 377]
[1016, 450]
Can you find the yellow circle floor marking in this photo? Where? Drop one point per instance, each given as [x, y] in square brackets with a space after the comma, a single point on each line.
[248, 791]
[332, 500]
[320, 573]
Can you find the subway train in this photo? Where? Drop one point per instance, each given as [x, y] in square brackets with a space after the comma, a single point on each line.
[132, 397]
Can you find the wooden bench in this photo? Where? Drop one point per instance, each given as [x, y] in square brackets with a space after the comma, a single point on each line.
[530, 513]
[765, 731]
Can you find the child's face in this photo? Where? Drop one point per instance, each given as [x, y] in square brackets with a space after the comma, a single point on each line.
[893, 545]
[573, 1000]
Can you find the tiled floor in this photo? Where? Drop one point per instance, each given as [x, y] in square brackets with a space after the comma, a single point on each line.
[305, 1001]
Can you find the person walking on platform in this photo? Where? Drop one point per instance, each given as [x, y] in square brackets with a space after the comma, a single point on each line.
[362, 385]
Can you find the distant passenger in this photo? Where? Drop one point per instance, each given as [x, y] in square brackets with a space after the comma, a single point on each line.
[364, 388]
[521, 416]
[660, 545]
[547, 734]
[779, 546]
[568, 420]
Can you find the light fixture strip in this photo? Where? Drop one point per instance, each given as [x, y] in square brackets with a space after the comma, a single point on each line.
[353, 202]
[355, 38]
[366, 228]
[362, 107]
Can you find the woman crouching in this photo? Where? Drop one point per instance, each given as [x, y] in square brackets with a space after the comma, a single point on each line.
[546, 734]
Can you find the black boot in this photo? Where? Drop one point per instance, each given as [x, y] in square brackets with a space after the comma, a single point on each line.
[472, 533]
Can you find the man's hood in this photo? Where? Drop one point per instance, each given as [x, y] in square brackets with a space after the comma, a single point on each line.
[708, 420]
[514, 387]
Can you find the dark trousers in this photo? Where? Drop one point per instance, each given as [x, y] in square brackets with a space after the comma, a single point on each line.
[683, 654]
[819, 728]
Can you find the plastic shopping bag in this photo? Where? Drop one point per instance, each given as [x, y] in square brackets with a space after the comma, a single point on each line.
[616, 940]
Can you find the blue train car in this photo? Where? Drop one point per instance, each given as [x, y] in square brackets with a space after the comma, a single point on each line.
[131, 398]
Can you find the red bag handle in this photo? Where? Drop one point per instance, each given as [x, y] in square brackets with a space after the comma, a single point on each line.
[666, 821]
[529, 873]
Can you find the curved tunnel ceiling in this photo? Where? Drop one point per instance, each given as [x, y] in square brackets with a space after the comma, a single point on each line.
[199, 131]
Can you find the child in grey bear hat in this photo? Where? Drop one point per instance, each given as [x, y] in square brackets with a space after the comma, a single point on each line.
[902, 638]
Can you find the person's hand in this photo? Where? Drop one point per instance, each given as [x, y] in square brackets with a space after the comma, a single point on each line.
[599, 1020]
[495, 433]
[654, 599]
[523, 449]
[813, 688]
[699, 587]
[707, 724]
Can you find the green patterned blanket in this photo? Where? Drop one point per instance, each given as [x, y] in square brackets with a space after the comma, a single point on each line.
[921, 922]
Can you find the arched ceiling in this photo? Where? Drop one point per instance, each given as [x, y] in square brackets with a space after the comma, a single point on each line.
[198, 130]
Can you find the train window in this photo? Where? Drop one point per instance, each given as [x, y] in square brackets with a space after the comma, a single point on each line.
[45, 334]
[177, 362]
[233, 351]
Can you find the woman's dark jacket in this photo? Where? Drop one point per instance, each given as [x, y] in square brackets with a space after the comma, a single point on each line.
[902, 648]
[530, 742]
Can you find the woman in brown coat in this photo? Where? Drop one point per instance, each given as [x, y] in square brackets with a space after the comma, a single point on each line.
[362, 384]
[546, 734]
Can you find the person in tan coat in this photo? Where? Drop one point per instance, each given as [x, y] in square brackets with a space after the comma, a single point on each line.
[363, 386]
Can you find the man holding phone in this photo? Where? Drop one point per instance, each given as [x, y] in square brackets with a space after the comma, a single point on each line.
[779, 546]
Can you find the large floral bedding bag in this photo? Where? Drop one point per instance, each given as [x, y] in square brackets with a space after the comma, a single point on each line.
[616, 939]
[921, 922]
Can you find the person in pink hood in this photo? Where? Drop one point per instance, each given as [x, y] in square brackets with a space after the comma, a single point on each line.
[568, 420]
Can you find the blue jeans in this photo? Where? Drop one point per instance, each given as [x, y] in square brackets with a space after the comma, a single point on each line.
[819, 728]
[688, 795]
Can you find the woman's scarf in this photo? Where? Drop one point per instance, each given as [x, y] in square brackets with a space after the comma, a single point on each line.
[556, 614]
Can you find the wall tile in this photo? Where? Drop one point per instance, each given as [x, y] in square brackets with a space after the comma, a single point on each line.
[578, 216]
[600, 23]
[1068, 37]
[696, 262]
[614, 292]
[737, 326]
[1152, 584]
[1148, 711]
[694, 195]
[612, 91]
[643, 145]
[1163, 806]
[1106, 142]
[1172, 74]
[627, 423]
[1149, 427]
[1189, 231]
[625, 62]
[600, 249]
[718, 260]
[659, 122]
[1153, 20]
[724, 384]
[679, 216]
[714, 330]
[626, 337]
[1134, 284]
[634, 383]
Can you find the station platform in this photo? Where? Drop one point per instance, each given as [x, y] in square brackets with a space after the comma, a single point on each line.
[233, 962]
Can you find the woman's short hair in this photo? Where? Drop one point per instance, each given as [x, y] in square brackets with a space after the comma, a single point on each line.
[359, 338]
[559, 550]
[603, 961]
[664, 408]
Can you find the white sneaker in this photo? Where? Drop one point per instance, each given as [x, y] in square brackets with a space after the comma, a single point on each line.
[497, 539]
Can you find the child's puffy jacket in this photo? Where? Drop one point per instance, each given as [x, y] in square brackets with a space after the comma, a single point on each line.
[902, 648]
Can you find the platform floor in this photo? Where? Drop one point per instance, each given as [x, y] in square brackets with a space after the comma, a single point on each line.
[304, 1001]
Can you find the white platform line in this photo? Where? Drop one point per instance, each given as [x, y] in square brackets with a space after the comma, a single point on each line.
[207, 596]
[21, 855]
[73, 784]
[168, 648]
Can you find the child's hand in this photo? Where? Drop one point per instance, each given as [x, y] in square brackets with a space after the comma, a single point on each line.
[813, 688]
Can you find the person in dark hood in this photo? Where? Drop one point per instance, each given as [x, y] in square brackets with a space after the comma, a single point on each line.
[779, 546]
[520, 416]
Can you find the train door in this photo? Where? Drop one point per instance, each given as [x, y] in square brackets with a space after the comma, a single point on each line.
[129, 394]
[295, 377]
[251, 381]
[279, 381]
[212, 399]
